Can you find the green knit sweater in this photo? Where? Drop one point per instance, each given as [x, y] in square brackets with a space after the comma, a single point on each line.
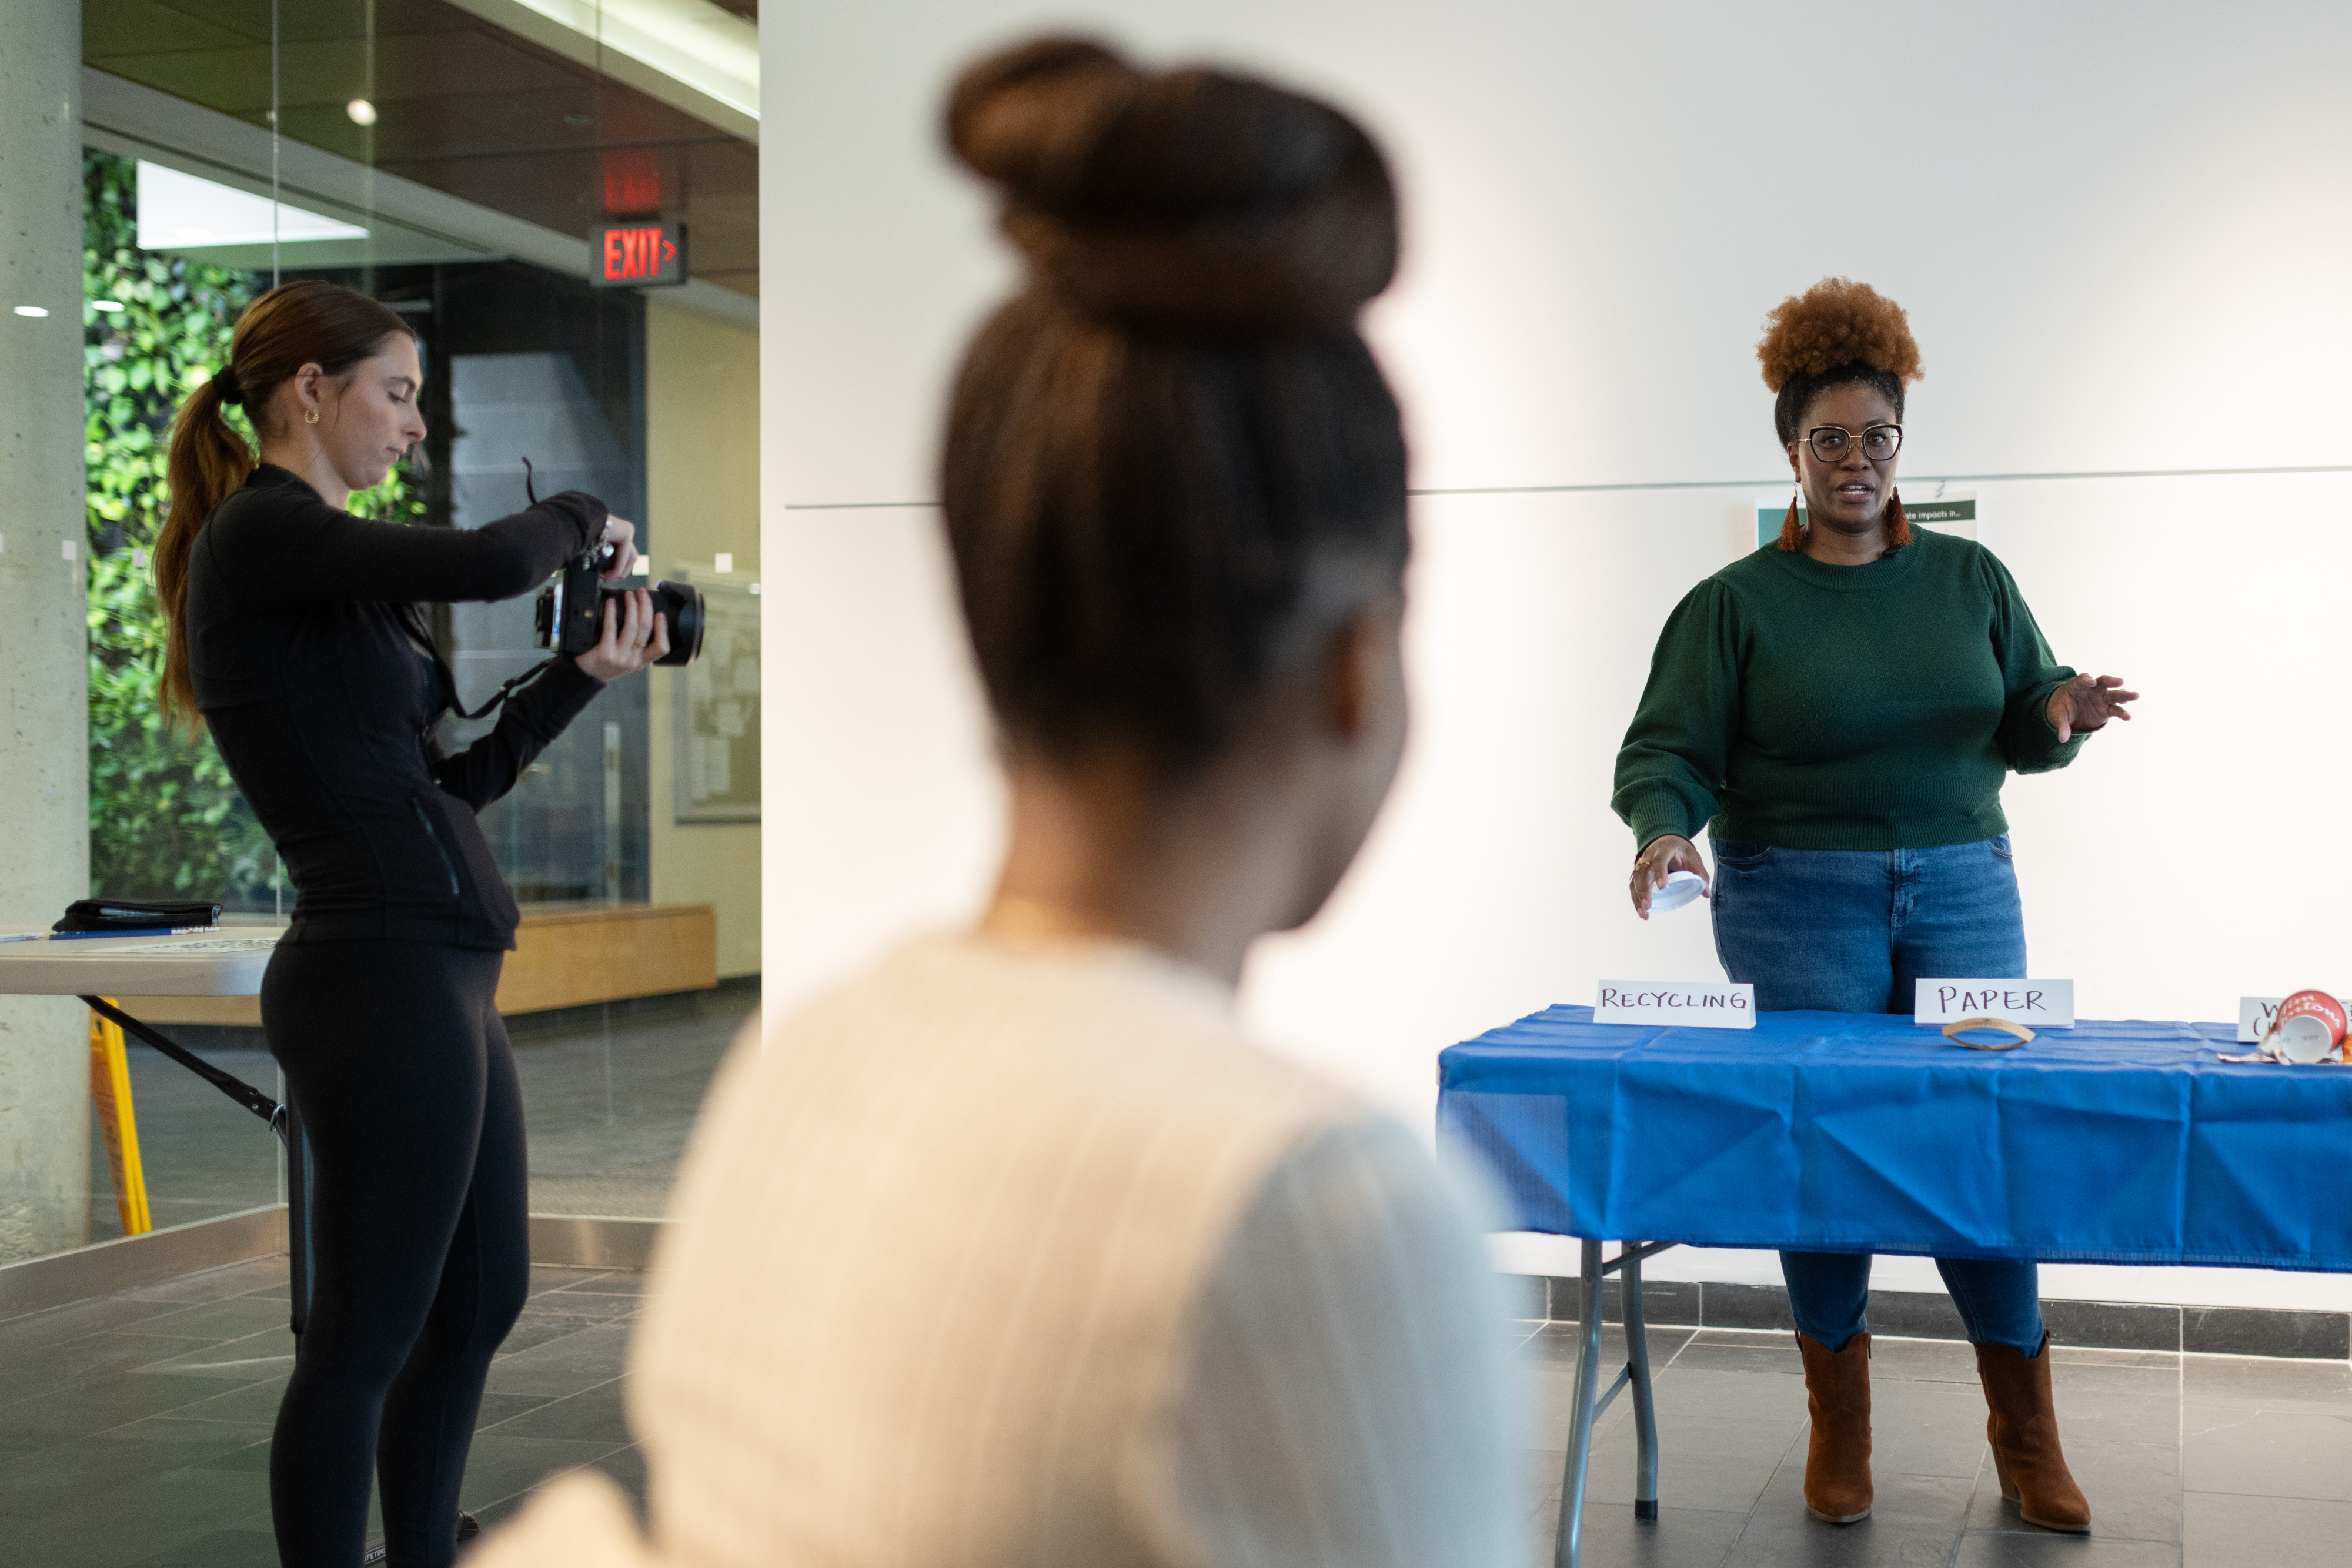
[1843, 707]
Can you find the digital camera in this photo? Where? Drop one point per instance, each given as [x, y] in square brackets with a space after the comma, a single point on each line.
[571, 610]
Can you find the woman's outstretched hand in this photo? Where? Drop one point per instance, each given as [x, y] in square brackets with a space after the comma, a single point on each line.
[2086, 702]
[634, 636]
[1659, 857]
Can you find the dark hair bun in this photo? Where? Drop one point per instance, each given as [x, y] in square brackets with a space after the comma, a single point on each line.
[1193, 200]
[1834, 324]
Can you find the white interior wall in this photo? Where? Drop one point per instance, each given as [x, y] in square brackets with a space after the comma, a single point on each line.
[2113, 255]
[702, 489]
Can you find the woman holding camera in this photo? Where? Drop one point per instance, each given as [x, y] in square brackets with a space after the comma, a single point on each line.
[295, 634]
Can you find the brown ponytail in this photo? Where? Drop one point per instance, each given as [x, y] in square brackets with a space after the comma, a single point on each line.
[310, 322]
[209, 462]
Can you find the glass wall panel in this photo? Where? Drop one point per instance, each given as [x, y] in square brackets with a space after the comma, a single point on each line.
[455, 161]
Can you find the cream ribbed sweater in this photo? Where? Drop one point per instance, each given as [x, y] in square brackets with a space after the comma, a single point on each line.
[1008, 1256]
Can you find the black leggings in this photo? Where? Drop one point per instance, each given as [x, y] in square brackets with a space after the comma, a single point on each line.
[419, 1238]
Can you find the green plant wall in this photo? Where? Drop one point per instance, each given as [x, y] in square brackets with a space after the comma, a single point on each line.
[165, 817]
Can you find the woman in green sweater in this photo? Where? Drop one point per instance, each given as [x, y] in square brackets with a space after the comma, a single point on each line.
[1837, 711]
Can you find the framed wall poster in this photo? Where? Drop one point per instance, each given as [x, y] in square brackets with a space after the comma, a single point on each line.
[716, 703]
[1946, 508]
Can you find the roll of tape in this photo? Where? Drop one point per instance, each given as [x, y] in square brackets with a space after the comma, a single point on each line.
[1682, 886]
[2019, 1033]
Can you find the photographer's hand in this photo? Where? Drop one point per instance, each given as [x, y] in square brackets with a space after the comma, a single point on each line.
[634, 636]
[621, 535]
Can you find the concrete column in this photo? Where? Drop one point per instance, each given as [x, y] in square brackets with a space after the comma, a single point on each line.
[44, 1197]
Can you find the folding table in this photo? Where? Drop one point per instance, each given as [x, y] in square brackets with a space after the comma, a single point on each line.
[2109, 1143]
[225, 963]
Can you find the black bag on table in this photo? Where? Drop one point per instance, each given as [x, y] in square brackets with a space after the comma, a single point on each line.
[123, 914]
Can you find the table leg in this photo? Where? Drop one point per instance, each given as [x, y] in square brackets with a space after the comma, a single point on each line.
[1580, 1414]
[1637, 1367]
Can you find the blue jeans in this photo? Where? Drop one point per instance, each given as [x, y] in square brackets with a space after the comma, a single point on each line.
[1849, 931]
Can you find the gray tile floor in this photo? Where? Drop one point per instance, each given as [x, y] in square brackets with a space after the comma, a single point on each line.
[2206, 1461]
[608, 1105]
[134, 1430]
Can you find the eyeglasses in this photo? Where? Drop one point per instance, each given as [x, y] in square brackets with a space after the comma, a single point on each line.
[1831, 443]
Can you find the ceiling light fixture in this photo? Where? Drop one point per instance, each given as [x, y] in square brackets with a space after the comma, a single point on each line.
[109, 306]
[30, 310]
[180, 211]
[694, 43]
[362, 112]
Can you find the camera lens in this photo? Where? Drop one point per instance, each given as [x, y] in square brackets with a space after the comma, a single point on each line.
[682, 605]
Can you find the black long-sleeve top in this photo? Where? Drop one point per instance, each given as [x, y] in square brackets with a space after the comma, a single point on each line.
[324, 697]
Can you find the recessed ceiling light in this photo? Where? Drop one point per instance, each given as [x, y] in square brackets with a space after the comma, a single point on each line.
[30, 310]
[362, 112]
[179, 210]
[109, 306]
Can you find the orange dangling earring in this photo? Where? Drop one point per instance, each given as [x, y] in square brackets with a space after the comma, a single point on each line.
[1898, 525]
[1791, 537]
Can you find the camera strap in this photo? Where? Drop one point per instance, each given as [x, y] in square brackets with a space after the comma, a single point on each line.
[504, 692]
[531, 490]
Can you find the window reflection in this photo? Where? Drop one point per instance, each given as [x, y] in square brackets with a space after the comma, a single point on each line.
[453, 169]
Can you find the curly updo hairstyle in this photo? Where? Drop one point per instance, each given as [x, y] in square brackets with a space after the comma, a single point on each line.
[1172, 467]
[1836, 333]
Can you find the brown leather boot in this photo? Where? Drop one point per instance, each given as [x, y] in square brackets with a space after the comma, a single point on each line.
[2023, 1430]
[1837, 1461]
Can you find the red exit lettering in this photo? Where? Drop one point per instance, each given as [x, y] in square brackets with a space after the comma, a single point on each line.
[640, 254]
[632, 253]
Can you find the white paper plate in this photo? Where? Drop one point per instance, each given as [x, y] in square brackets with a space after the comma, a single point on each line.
[1682, 886]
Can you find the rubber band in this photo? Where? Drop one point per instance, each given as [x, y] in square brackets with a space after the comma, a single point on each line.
[1952, 1031]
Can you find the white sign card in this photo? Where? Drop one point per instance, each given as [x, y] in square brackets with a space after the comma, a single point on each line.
[2038, 1004]
[1682, 1004]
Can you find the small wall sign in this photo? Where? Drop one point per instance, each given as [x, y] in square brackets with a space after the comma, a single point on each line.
[1680, 1004]
[2038, 1004]
[644, 253]
[1937, 505]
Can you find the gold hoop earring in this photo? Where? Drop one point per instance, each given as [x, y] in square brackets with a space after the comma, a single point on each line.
[310, 416]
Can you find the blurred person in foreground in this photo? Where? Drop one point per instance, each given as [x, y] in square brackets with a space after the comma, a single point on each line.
[1014, 1251]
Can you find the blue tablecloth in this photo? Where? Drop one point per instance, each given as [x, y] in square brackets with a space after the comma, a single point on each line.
[2110, 1143]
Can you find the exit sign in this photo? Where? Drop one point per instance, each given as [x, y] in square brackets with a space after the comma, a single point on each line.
[646, 253]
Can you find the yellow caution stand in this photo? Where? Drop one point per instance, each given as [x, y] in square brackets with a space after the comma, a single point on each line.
[195, 964]
[118, 1121]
